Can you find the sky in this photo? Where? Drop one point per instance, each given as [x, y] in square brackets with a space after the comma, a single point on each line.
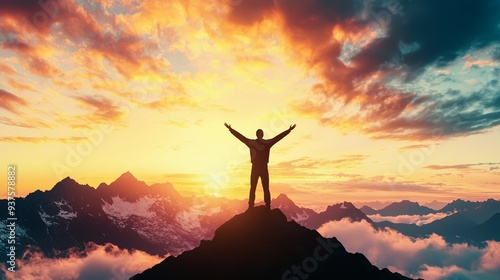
[393, 99]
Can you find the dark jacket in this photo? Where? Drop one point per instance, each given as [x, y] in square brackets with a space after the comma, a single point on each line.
[259, 148]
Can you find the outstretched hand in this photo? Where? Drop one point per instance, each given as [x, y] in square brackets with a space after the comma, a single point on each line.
[227, 125]
[292, 127]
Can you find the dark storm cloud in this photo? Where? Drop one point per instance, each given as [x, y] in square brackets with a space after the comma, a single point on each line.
[417, 36]
[20, 7]
[444, 29]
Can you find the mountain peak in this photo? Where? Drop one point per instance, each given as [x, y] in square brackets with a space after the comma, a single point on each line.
[69, 186]
[128, 180]
[283, 199]
[250, 225]
[408, 202]
[67, 180]
[126, 186]
[342, 206]
[282, 196]
[261, 244]
[127, 176]
[405, 207]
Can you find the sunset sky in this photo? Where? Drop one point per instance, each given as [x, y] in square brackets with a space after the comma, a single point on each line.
[392, 99]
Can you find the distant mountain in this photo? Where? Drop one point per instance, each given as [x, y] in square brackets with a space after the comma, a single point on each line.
[313, 220]
[368, 210]
[435, 205]
[477, 211]
[292, 211]
[261, 244]
[450, 228]
[456, 228]
[470, 221]
[489, 230]
[133, 215]
[459, 205]
[337, 212]
[372, 204]
[405, 207]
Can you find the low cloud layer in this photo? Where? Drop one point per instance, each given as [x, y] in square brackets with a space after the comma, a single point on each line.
[106, 262]
[410, 219]
[428, 258]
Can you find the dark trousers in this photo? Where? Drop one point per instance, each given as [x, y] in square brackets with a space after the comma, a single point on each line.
[259, 170]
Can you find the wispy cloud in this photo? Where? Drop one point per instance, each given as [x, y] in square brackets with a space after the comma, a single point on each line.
[29, 123]
[24, 139]
[440, 167]
[103, 109]
[308, 167]
[413, 147]
[309, 163]
[7, 69]
[10, 101]
[460, 166]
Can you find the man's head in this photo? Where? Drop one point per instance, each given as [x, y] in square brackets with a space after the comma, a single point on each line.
[259, 133]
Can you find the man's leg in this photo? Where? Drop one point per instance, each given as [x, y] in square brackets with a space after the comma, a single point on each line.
[264, 177]
[254, 177]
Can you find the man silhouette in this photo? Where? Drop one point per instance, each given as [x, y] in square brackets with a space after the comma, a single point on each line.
[259, 156]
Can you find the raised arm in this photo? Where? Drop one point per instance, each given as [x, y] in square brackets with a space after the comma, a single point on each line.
[282, 135]
[237, 134]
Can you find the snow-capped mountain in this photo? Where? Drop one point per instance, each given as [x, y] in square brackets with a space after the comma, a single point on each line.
[133, 215]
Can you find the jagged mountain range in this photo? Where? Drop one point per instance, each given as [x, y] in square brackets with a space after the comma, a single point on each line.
[478, 211]
[473, 222]
[465, 225]
[129, 213]
[158, 220]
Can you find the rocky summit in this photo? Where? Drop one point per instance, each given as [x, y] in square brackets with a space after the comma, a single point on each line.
[262, 244]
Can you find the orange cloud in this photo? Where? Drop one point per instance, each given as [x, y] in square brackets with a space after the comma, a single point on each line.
[440, 167]
[104, 110]
[21, 86]
[471, 61]
[306, 166]
[41, 67]
[28, 123]
[413, 147]
[7, 69]
[460, 166]
[10, 101]
[36, 140]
